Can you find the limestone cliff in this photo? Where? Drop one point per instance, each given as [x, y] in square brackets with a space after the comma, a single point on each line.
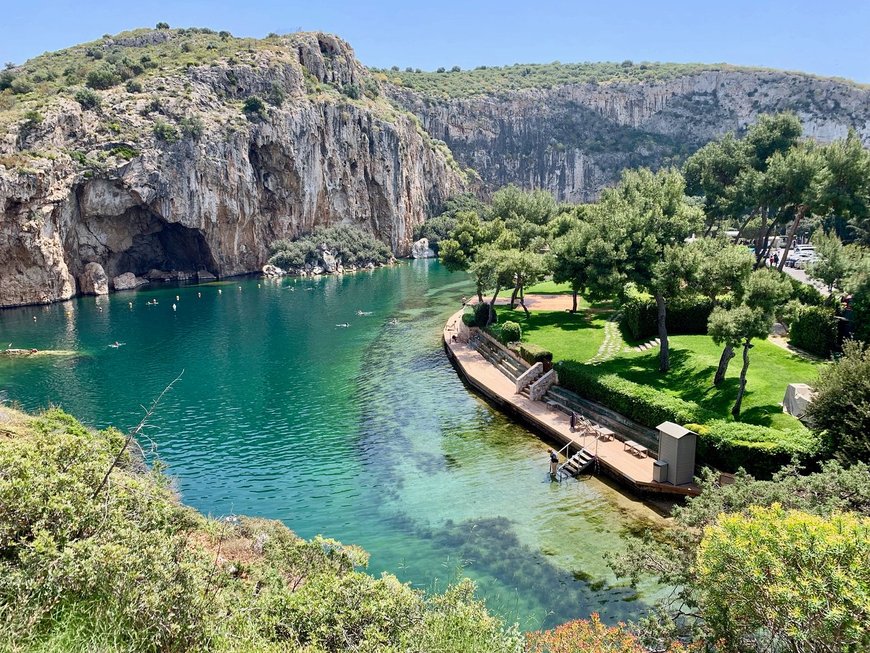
[172, 173]
[574, 138]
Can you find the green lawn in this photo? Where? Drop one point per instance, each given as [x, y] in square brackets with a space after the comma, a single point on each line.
[550, 288]
[570, 336]
[693, 363]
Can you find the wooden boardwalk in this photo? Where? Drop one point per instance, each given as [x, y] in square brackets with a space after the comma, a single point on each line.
[612, 457]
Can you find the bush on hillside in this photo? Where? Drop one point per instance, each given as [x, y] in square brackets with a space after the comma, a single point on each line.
[87, 98]
[124, 566]
[814, 329]
[349, 244]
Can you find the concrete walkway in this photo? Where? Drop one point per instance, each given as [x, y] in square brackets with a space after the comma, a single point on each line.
[612, 456]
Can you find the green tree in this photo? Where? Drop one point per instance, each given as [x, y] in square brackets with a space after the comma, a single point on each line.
[840, 408]
[635, 224]
[831, 263]
[778, 580]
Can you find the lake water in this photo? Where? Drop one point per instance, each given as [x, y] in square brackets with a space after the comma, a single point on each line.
[362, 433]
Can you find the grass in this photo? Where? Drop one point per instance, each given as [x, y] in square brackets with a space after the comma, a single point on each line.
[694, 359]
[552, 288]
[570, 336]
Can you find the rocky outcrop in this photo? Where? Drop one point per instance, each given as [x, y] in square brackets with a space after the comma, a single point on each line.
[574, 140]
[212, 197]
[93, 280]
[421, 249]
[128, 281]
[272, 271]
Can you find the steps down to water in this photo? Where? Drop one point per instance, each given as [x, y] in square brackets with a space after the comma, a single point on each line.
[575, 464]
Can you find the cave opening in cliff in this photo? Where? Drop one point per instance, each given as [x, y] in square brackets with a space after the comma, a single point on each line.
[170, 247]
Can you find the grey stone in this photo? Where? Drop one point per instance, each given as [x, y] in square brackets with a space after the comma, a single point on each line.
[93, 280]
[128, 281]
[421, 249]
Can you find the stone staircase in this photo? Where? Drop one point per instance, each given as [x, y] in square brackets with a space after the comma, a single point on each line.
[502, 361]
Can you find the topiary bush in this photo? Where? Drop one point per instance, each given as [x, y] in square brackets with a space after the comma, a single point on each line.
[814, 329]
[532, 353]
[686, 315]
[482, 315]
[510, 332]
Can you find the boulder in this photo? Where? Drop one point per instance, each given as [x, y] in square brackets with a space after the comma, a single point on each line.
[778, 329]
[128, 281]
[797, 397]
[205, 275]
[329, 261]
[273, 271]
[93, 281]
[158, 275]
[421, 249]
[316, 270]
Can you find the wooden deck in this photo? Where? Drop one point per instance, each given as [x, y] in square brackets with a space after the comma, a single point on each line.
[612, 458]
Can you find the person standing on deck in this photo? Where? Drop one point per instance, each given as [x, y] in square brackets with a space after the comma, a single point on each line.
[573, 421]
[554, 462]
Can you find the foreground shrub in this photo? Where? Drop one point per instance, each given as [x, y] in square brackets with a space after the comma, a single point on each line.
[814, 329]
[786, 581]
[484, 315]
[87, 98]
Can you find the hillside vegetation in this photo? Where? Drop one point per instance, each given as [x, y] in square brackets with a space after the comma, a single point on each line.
[123, 566]
[496, 80]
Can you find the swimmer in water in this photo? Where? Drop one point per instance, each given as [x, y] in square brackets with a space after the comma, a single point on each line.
[199, 294]
[343, 325]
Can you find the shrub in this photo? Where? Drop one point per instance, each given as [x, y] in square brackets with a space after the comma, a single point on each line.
[351, 91]
[814, 329]
[6, 79]
[125, 152]
[254, 108]
[162, 25]
[511, 332]
[469, 320]
[191, 127]
[20, 85]
[133, 86]
[163, 131]
[104, 77]
[482, 312]
[32, 119]
[87, 98]
[686, 315]
[760, 450]
[532, 353]
[276, 95]
[805, 293]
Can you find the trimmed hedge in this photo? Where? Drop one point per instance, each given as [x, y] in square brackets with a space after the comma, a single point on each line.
[481, 314]
[685, 316]
[469, 320]
[640, 403]
[532, 353]
[814, 329]
[760, 450]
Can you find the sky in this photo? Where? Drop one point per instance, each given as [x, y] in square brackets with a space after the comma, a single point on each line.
[825, 38]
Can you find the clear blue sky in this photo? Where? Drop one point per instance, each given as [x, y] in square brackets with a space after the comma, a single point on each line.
[826, 38]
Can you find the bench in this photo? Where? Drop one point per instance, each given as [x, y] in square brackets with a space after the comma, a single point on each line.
[604, 434]
[635, 448]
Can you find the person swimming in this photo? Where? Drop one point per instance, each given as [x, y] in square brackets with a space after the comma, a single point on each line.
[117, 344]
[363, 313]
[343, 325]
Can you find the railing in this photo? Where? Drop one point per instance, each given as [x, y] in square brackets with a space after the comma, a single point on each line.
[539, 388]
[529, 376]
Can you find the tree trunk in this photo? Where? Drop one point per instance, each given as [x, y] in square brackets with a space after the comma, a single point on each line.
[523, 300]
[664, 360]
[514, 294]
[491, 313]
[791, 232]
[574, 301]
[742, 388]
[761, 230]
[727, 355]
[744, 225]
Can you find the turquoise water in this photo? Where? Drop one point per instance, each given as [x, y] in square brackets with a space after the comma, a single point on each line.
[364, 434]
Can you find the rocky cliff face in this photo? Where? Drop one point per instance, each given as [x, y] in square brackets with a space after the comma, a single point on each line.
[575, 139]
[175, 176]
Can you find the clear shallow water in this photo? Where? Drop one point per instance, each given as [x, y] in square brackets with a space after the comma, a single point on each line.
[364, 434]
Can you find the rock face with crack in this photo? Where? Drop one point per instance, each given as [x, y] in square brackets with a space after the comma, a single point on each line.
[187, 182]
